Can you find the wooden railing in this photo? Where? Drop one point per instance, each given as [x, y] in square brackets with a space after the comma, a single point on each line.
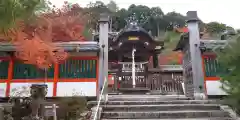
[165, 82]
[157, 82]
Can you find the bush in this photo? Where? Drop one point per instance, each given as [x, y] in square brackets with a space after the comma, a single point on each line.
[73, 107]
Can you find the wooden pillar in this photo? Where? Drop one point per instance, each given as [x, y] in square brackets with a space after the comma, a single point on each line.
[55, 79]
[155, 60]
[118, 74]
[146, 75]
[10, 76]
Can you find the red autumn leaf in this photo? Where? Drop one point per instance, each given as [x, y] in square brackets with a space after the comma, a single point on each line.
[34, 41]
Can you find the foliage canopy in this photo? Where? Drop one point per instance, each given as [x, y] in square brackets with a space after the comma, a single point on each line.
[33, 28]
[35, 23]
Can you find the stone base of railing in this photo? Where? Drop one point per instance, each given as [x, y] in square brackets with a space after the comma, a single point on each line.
[93, 109]
[104, 98]
[231, 112]
[200, 96]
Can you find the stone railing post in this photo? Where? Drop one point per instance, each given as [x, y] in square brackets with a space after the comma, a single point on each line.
[195, 53]
[103, 54]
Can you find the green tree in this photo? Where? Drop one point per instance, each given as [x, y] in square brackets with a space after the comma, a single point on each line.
[229, 62]
[238, 31]
[215, 27]
[149, 18]
[13, 10]
[175, 18]
[152, 19]
[119, 19]
[112, 6]
[141, 12]
[157, 15]
[94, 9]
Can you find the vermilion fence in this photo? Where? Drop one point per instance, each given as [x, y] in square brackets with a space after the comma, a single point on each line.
[75, 69]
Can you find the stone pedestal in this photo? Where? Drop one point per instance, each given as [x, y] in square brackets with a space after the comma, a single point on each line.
[38, 93]
[1, 113]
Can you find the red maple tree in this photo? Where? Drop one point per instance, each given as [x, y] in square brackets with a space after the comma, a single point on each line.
[34, 41]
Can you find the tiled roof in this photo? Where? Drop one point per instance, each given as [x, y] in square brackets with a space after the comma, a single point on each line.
[166, 59]
[182, 30]
[68, 46]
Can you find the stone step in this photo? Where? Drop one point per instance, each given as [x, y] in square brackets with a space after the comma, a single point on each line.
[145, 97]
[164, 114]
[165, 107]
[215, 118]
[134, 91]
[92, 103]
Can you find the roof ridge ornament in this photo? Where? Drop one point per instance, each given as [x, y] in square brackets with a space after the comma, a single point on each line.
[132, 20]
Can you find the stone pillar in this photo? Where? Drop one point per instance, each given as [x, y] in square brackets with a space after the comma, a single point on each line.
[195, 53]
[103, 54]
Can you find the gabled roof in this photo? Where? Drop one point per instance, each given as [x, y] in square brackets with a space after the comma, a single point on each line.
[132, 28]
[205, 45]
[184, 39]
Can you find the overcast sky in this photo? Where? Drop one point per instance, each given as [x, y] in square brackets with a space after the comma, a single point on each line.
[224, 11]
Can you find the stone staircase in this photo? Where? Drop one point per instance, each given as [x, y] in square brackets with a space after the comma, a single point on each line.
[157, 107]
